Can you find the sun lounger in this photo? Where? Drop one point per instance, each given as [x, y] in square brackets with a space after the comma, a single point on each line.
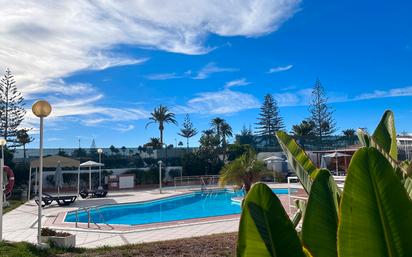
[62, 200]
[93, 194]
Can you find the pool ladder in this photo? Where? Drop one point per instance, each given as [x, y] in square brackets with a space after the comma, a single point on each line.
[89, 216]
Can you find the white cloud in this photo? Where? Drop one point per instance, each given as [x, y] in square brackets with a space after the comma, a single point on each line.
[211, 68]
[43, 42]
[163, 76]
[124, 128]
[79, 35]
[220, 102]
[299, 97]
[237, 82]
[280, 68]
[394, 92]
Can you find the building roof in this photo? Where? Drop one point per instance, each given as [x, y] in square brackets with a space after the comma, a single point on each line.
[52, 162]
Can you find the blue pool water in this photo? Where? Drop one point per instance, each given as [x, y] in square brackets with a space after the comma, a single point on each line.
[195, 205]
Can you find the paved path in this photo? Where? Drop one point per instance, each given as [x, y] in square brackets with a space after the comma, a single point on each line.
[21, 223]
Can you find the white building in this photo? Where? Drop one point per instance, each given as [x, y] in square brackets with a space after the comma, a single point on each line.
[405, 145]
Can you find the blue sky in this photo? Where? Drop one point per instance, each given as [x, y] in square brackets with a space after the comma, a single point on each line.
[104, 68]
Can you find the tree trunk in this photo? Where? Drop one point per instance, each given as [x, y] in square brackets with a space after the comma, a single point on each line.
[247, 186]
[24, 152]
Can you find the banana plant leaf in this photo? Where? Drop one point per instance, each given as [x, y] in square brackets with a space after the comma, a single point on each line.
[400, 169]
[320, 223]
[385, 134]
[265, 229]
[375, 211]
[298, 160]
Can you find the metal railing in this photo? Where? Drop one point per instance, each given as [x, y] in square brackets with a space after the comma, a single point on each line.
[90, 219]
[340, 181]
[196, 180]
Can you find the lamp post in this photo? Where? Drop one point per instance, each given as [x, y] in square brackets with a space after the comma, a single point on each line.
[160, 176]
[100, 151]
[2, 144]
[41, 109]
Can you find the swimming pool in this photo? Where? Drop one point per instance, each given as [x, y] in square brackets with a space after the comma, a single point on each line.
[189, 206]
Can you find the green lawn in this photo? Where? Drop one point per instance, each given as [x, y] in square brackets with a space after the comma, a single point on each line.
[207, 246]
[13, 205]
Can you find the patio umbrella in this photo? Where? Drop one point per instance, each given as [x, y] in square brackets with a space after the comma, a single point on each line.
[273, 158]
[90, 164]
[336, 155]
[58, 178]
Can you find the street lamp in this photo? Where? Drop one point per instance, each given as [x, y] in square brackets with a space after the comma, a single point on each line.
[100, 151]
[160, 176]
[2, 143]
[41, 109]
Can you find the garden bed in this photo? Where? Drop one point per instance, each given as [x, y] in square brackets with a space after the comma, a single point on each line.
[207, 246]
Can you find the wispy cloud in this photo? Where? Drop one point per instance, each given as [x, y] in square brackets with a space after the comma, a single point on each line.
[394, 92]
[163, 76]
[124, 128]
[295, 98]
[202, 73]
[237, 82]
[43, 49]
[280, 68]
[211, 68]
[303, 96]
[220, 102]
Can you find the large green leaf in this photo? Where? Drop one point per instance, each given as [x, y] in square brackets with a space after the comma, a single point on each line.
[298, 160]
[320, 223]
[265, 229]
[375, 216]
[385, 134]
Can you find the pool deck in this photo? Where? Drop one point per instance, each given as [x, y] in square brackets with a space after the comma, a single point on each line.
[21, 223]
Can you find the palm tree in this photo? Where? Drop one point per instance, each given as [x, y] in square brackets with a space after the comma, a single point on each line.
[226, 131]
[305, 128]
[162, 115]
[23, 138]
[245, 170]
[187, 131]
[349, 132]
[154, 143]
[217, 124]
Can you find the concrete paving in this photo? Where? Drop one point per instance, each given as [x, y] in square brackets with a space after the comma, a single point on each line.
[21, 223]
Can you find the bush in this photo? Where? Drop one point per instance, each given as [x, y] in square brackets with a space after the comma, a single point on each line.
[51, 232]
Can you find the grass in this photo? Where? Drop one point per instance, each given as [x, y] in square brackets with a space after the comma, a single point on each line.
[206, 246]
[13, 205]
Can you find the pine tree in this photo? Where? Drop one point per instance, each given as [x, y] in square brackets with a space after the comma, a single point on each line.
[11, 108]
[269, 119]
[187, 131]
[321, 113]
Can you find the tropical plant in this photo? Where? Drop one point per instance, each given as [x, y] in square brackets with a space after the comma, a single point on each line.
[216, 124]
[154, 143]
[245, 136]
[23, 138]
[226, 131]
[370, 217]
[162, 115]
[349, 132]
[243, 171]
[187, 131]
[304, 129]
[269, 120]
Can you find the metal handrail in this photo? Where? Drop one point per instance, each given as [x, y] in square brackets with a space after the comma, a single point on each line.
[89, 216]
